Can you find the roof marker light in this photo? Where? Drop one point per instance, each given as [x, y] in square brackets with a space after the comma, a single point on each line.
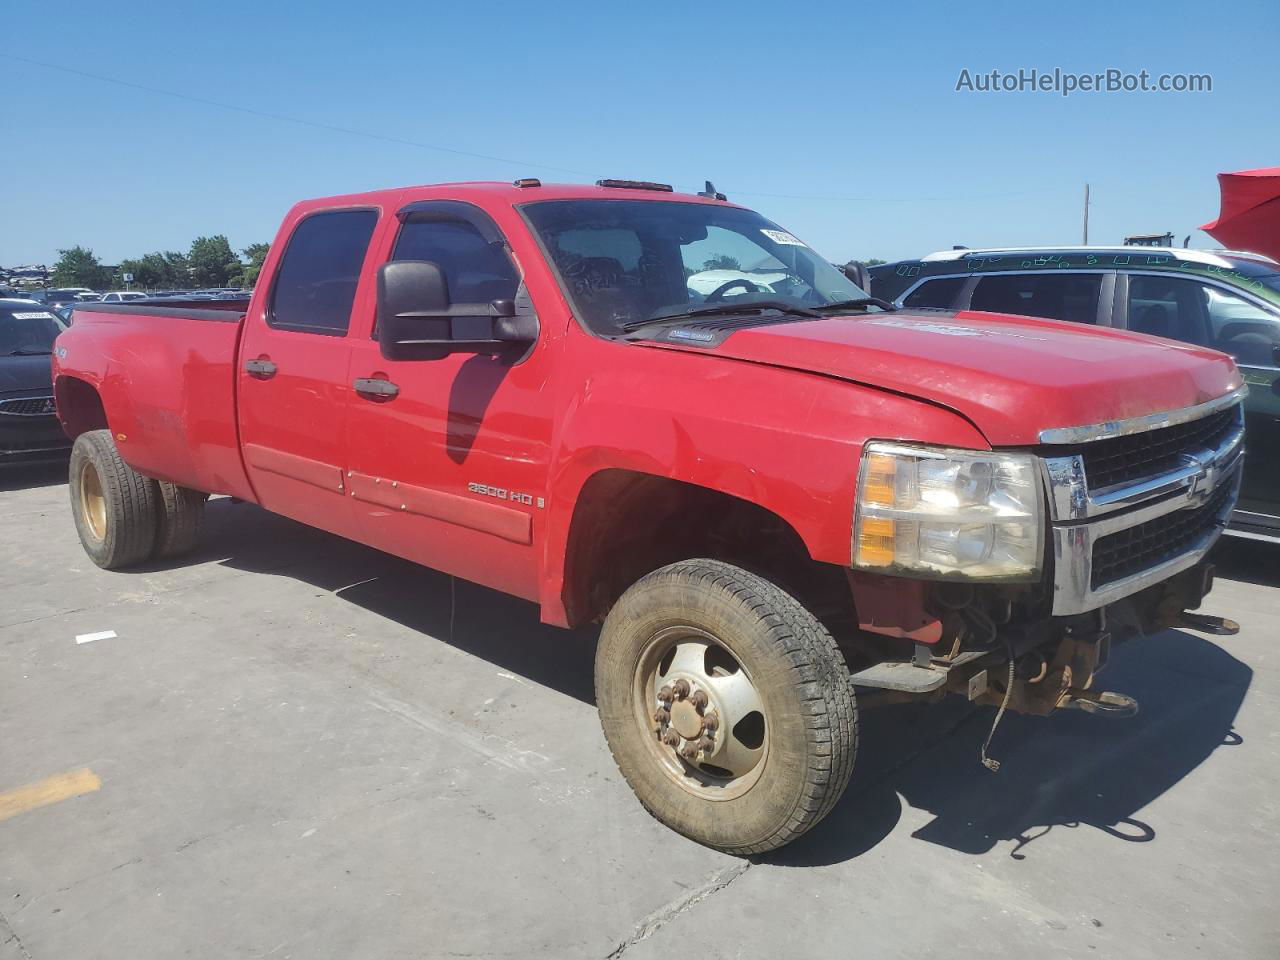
[636, 185]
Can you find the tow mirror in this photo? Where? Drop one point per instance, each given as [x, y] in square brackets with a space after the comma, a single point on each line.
[418, 321]
[857, 272]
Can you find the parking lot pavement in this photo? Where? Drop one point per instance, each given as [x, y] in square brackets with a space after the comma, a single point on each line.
[294, 746]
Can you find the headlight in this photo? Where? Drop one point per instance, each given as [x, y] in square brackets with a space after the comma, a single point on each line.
[948, 513]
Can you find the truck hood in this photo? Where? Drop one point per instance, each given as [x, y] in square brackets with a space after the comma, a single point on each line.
[1010, 376]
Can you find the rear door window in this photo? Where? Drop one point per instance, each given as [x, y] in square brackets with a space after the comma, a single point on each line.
[1055, 296]
[940, 293]
[316, 281]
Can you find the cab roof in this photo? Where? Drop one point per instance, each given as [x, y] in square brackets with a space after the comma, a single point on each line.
[511, 193]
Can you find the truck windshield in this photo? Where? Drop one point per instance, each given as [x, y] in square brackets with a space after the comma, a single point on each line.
[626, 261]
[27, 331]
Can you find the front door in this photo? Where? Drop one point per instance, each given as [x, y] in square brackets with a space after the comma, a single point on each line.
[293, 381]
[448, 458]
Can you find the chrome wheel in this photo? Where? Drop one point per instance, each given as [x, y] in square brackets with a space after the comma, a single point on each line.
[93, 504]
[701, 713]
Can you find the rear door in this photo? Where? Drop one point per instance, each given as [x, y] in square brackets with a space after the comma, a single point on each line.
[293, 382]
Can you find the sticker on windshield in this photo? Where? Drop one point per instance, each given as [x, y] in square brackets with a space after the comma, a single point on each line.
[33, 315]
[781, 236]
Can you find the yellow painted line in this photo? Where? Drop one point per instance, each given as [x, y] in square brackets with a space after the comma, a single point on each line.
[63, 786]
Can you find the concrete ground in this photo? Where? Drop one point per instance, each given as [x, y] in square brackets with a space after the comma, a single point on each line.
[292, 747]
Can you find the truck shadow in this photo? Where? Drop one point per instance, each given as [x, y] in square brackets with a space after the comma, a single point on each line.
[493, 626]
[1066, 771]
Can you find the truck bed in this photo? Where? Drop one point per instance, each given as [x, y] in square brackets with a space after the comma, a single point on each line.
[167, 374]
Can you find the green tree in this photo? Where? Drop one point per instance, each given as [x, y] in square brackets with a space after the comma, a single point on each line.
[255, 253]
[78, 267]
[212, 261]
[722, 262]
[156, 270]
[874, 261]
[177, 269]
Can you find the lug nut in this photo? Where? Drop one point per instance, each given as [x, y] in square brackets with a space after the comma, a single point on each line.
[680, 688]
[671, 738]
[705, 745]
[711, 722]
[699, 699]
[662, 715]
[665, 695]
[690, 751]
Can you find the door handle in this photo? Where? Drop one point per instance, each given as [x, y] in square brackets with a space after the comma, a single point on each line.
[260, 369]
[376, 389]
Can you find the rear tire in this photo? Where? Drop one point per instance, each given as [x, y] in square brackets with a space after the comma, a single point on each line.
[781, 748]
[179, 514]
[114, 506]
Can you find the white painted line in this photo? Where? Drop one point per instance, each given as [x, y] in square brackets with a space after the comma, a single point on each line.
[90, 637]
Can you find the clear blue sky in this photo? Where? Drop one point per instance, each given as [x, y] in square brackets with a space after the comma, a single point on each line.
[796, 109]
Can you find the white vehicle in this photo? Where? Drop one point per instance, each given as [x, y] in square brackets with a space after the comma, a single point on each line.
[735, 282]
[122, 296]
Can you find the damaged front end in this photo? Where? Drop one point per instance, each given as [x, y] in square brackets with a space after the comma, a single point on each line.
[1132, 510]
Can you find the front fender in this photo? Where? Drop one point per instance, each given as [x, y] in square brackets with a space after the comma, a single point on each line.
[784, 440]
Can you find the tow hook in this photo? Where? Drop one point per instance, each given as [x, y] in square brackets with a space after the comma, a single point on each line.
[1101, 702]
[1204, 623]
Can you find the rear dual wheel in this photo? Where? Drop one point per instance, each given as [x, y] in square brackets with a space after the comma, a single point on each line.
[122, 517]
[727, 705]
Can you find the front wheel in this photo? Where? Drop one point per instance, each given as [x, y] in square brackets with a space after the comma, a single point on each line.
[727, 705]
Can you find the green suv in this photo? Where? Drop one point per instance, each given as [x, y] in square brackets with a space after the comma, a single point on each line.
[1221, 299]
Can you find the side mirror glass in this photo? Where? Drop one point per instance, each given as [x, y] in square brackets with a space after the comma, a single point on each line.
[418, 321]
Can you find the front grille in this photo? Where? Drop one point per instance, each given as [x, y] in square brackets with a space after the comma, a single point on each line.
[1126, 552]
[27, 407]
[1138, 456]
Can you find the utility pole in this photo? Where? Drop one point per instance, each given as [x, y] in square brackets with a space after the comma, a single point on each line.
[1086, 214]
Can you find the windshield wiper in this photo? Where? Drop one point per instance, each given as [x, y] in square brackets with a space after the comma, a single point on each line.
[754, 308]
[29, 353]
[859, 303]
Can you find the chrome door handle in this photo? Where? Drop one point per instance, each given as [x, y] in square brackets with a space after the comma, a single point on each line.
[260, 369]
[376, 389]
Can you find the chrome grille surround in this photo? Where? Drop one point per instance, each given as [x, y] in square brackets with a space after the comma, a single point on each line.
[1080, 517]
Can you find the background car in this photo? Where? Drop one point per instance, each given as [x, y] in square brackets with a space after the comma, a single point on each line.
[57, 296]
[1226, 300]
[122, 296]
[29, 428]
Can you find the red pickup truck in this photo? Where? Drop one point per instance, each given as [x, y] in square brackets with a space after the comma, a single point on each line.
[666, 413]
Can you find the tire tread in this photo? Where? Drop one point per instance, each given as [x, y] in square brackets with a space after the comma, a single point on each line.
[818, 669]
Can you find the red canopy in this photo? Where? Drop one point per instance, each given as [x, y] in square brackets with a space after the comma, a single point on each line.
[1250, 217]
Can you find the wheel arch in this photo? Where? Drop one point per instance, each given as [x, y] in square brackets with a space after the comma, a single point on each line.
[79, 404]
[627, 523]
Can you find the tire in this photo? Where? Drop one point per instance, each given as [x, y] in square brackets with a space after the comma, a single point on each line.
[179, 514]
[688, 616]
[114, 506]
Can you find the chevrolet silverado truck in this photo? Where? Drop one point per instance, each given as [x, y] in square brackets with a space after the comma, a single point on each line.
[771, 492]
